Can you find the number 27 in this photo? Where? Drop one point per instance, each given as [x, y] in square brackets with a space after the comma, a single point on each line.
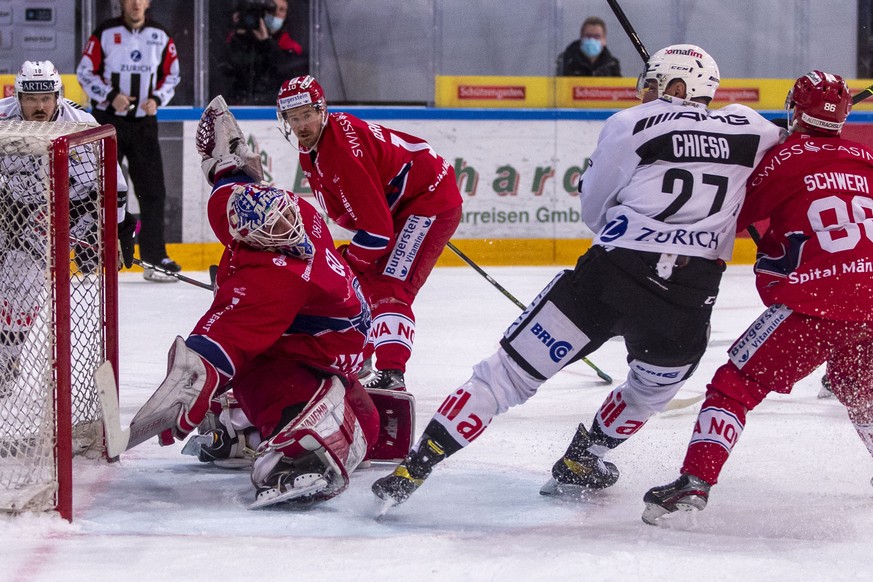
[686, 179]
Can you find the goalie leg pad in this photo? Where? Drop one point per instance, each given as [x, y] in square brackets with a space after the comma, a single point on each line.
[396, 424]
[181, 401]
[327, 430]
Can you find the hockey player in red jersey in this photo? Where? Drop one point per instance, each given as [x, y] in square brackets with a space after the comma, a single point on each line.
[398, 196]
[662, 194]
[287, 327]
[814, 272]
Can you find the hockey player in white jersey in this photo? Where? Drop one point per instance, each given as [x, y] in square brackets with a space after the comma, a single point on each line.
[662, 194]
[39, 97]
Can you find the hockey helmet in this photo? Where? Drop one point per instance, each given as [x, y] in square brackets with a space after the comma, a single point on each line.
[267, 218]
[300, 92]
[38, 77]
[821, 102]
[682, 61]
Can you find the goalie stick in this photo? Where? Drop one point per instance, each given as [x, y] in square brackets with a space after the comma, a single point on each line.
[162, 270]
[600, 373]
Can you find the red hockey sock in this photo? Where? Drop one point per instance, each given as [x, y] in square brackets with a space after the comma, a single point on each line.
[393, 334]
[718, 427]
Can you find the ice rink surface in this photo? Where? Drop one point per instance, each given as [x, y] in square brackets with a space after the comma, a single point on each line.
[795, 500]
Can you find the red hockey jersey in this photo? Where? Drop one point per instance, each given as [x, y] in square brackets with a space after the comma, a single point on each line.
[365, 175]
[816, 257]
[271, 305]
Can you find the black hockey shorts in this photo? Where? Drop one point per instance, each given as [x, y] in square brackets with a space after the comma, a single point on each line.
[617, 293]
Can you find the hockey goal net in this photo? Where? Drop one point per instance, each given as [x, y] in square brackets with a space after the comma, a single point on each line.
[58, 304]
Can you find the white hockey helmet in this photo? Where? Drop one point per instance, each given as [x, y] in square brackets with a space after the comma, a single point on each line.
[682, 61]
[268, 219]
[38, 77]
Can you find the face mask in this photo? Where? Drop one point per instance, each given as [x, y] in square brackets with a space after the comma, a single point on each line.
[591, 47]
[273, 23]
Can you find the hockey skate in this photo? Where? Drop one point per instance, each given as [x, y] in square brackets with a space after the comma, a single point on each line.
[410, 474]
[279, 479]
[825, 390]
[161, 272]
[686, 493]
[222, 145]
[387, 380]
[579, 470]
[225, 437]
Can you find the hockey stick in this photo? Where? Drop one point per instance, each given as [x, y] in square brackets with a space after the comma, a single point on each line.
[629, 30]
[862, 95]
[107, 393]
[182, 278]
[600, 373]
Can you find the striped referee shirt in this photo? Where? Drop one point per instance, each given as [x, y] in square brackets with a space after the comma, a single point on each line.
[141, 63]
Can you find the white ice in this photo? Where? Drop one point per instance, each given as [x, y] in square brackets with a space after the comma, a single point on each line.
[795, 500]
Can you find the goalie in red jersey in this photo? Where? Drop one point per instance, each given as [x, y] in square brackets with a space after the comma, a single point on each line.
[814, 272]
[287, 327]
[397, 195]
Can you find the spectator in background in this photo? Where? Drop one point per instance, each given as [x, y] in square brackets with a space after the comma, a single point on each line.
[259, 53]
[129, 68]
[588, 56]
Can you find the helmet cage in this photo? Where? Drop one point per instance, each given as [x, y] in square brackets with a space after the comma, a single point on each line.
[267, 218]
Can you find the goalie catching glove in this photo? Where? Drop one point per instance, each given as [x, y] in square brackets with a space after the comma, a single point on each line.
[222, 145]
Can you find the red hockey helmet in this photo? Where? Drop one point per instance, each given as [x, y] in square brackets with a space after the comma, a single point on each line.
[300, 91]
[821, 102]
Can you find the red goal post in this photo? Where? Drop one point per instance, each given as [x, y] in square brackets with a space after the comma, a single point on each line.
[59, 300]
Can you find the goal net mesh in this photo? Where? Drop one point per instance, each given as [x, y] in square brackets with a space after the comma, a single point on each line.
[41, 313]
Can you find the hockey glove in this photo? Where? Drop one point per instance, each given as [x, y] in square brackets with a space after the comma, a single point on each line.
[126, 237]
[357, 264]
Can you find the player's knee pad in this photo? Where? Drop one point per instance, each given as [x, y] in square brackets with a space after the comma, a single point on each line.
[654, 386]
[544, 339]
[327, 430]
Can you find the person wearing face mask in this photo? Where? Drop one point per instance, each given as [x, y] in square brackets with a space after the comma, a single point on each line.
[588, 56]
[259, 53]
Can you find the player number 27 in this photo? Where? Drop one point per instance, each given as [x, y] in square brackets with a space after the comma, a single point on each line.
[686, 188]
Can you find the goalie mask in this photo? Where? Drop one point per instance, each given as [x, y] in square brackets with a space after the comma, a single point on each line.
[267, 218]
[821, 103]
[299, 105]
[681, 61]
[38, 77]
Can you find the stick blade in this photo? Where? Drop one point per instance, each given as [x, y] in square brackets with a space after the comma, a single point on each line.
[107, 394]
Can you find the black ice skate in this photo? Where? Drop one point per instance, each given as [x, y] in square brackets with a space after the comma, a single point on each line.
[410, 474]
[686, 493]
[387, 380]
[579, 470]
[825, 390]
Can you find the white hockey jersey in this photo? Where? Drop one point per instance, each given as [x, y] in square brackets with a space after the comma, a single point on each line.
[669, 176]
[70, 111]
